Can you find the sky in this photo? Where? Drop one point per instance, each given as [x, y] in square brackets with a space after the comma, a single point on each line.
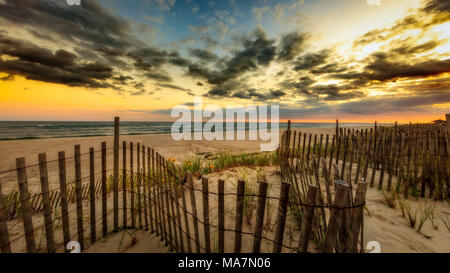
[353, 60]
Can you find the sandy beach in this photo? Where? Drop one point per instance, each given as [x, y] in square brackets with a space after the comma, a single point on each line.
[382, 223]
[161, 143]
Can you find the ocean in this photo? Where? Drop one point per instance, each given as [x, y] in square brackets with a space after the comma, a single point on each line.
[10, 130]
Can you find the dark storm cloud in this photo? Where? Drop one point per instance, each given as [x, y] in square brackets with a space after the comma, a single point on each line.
[367, 106]
[32, 53]
[176, 87]
[203, 54]
[418, 102]
[158, 76]
[335, 92]
[311, 60]
[75, 76]
[257, 52]
[61, 66]
[398, 61]
[226, 89]
[89, 22]
[291, 45]
[297, 86]
[122, 79]
[408, 49]
[101, 39]
[254, 94]
[329, 68]
[382, 68]
[437, 6]
[147, 58]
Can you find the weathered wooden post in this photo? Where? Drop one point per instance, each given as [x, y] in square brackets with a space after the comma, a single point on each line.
[124, 183]
[239, 215]
[63, 192]
[149, 177]
[306, 227]
[25, 203]
[155, 194]
[144, 186]
[139, 183]
[132, 188]
[78, 196]
[357, 215]
[194, 211]
[116, 174]
[92, 194]
[281, 217]
[221, 215]
[186, 221]
[205, 198]
[447, 117]
[340, 200]
[46, 203]
[337, 129]
[262, 193]
[104, 208]
[4, 235]
[162, 213]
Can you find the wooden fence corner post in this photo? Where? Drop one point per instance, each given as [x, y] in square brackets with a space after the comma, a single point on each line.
[358, 214]
[340, 200]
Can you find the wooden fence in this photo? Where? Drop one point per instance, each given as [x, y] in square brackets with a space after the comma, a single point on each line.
[154, 197]
[410, 159]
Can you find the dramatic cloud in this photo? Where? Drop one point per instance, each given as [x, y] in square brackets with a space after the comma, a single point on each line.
[92, 46]
[61, 66]
[310, 60]
[437, 6]
[432, 13]
[291, 45]
[258, 51]
[381, 68]
[202, 54]
[172, 86]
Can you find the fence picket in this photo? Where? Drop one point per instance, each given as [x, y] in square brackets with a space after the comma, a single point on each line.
[262, 193]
